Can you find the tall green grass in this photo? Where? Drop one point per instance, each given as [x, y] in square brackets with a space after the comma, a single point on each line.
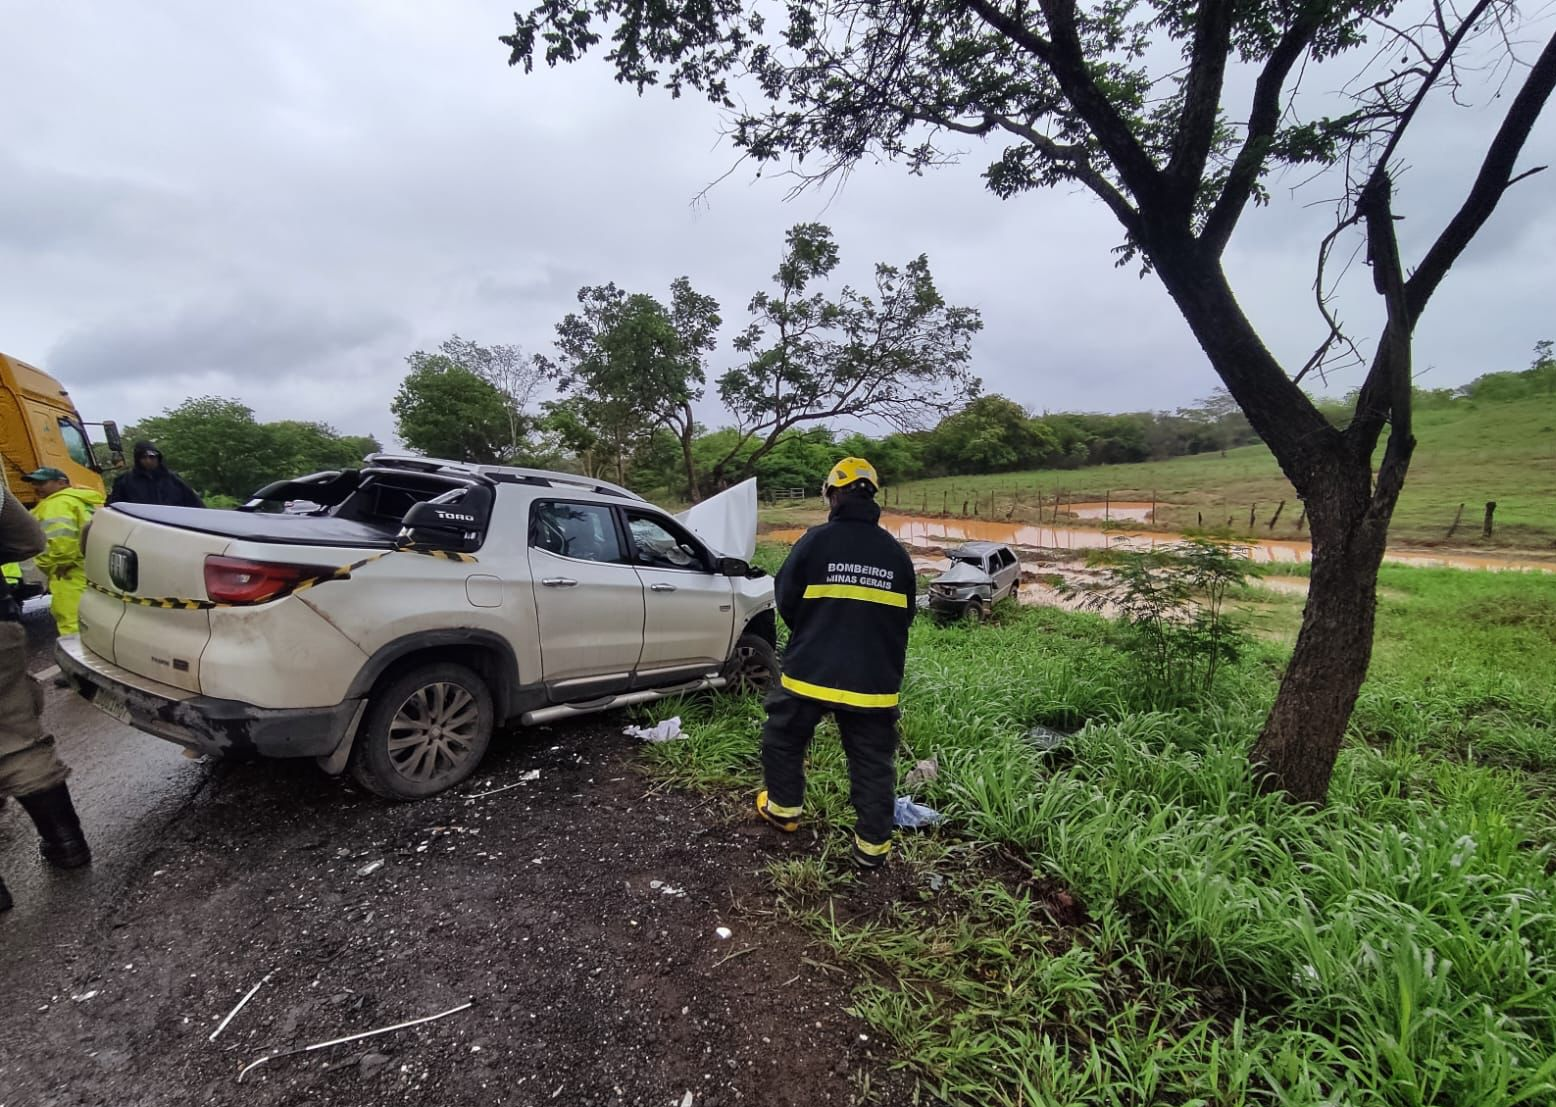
[1127, 922]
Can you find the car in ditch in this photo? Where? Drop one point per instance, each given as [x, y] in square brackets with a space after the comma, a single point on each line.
[423, 605]
[980, 573]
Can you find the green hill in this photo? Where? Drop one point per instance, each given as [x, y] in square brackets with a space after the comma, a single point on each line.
[1468, 452]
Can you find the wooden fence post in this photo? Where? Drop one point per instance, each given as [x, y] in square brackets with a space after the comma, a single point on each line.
[1278, 509]
[1253, 515]
[975, 501]
[1457, 515]
[945, 502]
[1153, 507]
[1491, 506]
[1107, 506]
[1302, 515]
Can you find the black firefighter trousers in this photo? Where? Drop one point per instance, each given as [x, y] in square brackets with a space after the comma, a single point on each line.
[869, 742]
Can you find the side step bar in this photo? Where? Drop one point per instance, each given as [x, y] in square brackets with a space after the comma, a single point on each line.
[626, 699]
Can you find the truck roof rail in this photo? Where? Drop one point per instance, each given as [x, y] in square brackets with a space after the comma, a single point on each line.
[506, 474]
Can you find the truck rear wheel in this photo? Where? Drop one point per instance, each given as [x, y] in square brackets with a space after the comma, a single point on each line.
[426, 730]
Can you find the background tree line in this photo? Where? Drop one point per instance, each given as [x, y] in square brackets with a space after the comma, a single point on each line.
[219, 447]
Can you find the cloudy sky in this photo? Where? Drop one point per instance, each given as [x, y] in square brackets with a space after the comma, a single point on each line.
[279, 202]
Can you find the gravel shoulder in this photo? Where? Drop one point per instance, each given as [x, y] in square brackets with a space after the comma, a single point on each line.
[578, 908]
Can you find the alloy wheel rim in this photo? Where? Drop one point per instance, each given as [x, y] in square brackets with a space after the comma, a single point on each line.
[434, 731]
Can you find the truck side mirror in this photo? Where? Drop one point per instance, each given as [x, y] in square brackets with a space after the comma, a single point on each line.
[115, 443]
[736, 567]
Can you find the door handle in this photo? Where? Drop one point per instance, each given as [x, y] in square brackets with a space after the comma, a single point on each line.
[661, 587]
[559, 582]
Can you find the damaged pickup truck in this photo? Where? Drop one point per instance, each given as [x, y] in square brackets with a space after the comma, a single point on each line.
[423, 605]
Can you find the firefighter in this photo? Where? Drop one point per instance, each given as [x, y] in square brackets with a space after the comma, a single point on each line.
[29, 768]
[847, 593]
[64, 512]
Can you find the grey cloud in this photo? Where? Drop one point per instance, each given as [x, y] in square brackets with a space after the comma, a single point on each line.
[259, 337]
[280, 205]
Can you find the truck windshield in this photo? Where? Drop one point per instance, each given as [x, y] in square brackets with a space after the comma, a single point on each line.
[76, 444]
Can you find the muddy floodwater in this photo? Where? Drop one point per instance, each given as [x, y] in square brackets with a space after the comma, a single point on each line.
[1119, 511]
[918, 530]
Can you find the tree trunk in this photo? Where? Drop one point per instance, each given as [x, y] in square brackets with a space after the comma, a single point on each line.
[688, 431]
[1296, 750]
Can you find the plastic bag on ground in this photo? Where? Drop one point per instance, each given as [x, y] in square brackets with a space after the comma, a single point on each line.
[666, 730]
[913, 816]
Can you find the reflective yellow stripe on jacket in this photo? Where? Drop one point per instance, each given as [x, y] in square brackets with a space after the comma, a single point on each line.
[840, 695]
[855, 592]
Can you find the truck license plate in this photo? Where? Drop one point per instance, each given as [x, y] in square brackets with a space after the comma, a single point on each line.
[110, 704]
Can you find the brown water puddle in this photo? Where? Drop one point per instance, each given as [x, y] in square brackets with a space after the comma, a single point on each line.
[917, 530]
[1124, 511]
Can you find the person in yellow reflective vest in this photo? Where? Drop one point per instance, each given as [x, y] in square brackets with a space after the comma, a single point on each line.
[12, 572]
[63, 512]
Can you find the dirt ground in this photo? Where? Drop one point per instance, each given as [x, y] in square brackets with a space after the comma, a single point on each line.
[577, 910]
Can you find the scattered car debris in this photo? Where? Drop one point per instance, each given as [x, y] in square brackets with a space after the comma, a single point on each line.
[923, 772]
[250, 995]
[665, 888]
[724, 933]
[83, 997]
[371, 867]
[525, 778]
[666, 731]
[913, 816]
[352, 1038]
[1047, 740]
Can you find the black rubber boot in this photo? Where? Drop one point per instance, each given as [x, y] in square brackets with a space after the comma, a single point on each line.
[5, 897]
[64, 846]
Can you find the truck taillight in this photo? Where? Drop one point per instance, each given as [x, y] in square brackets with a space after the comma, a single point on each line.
[237, 580]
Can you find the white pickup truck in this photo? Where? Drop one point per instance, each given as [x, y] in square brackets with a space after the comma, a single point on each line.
[423, 604]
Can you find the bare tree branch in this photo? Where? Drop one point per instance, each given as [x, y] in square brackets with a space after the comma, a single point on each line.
[1494, 179]
[1066, 59]
[1263, 119]
[1201, 100]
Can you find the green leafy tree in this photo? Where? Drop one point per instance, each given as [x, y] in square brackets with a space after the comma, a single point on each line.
[1131, 101]
[624, 370]
[443, 409]
[897, 457]
[219, 447]
[901, 355]
[214, 443]
[990, 435]
[515, 375]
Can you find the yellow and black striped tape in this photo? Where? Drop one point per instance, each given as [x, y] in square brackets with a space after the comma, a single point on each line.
[342, 573]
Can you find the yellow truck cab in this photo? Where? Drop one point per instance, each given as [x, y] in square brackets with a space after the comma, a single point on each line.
[40, 426]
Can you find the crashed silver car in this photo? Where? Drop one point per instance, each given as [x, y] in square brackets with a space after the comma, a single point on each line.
[980, 574]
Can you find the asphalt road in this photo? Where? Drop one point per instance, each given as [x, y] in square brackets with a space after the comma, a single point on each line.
[127, 787]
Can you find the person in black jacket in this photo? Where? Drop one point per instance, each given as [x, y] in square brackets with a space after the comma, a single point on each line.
[847, 592]
[150, 482]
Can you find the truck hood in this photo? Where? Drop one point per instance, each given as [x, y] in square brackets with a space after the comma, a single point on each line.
[726, 522]
[961, 572]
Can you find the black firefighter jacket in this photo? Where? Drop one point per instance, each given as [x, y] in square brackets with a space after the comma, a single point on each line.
[847, 592]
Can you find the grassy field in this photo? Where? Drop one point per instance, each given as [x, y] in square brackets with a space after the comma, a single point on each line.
[1503, 452]
[1128, 923]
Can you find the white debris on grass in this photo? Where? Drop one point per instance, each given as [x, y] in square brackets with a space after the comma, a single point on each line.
[665, 731]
